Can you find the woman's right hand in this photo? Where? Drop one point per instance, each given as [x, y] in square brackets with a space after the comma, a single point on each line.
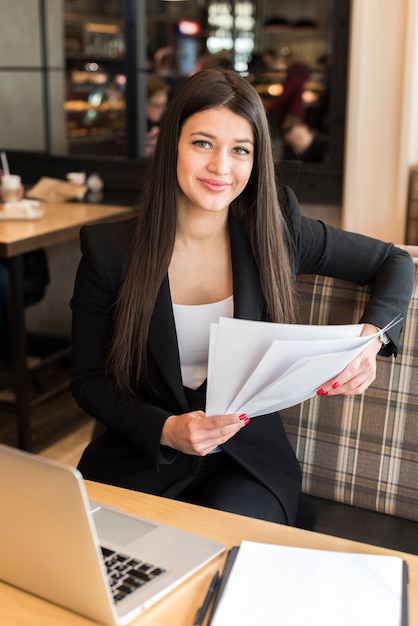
[194, 433]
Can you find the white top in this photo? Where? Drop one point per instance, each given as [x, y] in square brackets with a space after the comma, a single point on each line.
[193, 329]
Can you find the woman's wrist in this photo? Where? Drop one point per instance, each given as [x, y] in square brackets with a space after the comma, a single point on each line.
[383, 338]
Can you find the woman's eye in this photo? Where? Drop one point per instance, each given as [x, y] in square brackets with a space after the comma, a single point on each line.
[206, 145]
[202, 143]
[243, 151]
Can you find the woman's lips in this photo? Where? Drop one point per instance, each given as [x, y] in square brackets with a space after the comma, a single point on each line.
[214, 185]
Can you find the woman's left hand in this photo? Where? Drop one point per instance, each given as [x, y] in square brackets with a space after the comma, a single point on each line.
[359, 374]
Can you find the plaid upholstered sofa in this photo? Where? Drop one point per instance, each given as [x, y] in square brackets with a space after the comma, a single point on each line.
[359, 454]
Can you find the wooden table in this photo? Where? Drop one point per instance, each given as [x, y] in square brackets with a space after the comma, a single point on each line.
[61, 222]
[180, 606]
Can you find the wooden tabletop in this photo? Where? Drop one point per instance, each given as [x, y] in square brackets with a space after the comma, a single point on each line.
[180, 606]
[60, 222]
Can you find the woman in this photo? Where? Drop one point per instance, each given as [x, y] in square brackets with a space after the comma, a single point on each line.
[213, 237]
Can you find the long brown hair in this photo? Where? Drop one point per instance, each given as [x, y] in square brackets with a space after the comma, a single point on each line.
[257, 210]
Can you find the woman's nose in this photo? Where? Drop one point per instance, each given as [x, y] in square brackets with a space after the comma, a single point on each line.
[219, 162]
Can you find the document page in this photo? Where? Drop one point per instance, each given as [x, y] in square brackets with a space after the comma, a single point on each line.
[260, 367]
[272, 584]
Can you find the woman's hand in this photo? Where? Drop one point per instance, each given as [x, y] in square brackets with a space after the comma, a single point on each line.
[359, 374]
[194, 433]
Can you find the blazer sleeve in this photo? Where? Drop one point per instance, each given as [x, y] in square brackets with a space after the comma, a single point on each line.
[134, 418]
[321, 249]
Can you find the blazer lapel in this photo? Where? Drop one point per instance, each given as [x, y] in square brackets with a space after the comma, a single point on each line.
[248, 298]
[248, 304]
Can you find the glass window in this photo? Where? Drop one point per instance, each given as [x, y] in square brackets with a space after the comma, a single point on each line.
[120, 79]
[95, 103]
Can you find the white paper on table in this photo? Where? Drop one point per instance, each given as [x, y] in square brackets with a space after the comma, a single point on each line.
[260, 367]
[273, 584]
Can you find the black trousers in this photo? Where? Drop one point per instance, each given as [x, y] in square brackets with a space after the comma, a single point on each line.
[222, 484]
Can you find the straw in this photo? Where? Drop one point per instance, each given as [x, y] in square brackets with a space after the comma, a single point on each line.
[4, 163]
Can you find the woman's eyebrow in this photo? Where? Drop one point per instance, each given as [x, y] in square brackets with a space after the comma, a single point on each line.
[202, 133]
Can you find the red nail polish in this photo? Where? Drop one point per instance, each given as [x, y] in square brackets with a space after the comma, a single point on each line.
[243, 417]
[335, 385]
[322, 392]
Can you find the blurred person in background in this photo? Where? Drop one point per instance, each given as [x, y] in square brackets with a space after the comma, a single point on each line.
[290, 101]
[157, 100]
[35, 281]
[302, 143]
[166, 66]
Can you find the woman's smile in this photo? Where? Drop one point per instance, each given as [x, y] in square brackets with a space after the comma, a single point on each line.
[214, 184]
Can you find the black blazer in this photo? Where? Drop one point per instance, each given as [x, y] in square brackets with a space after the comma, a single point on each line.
[129, 454]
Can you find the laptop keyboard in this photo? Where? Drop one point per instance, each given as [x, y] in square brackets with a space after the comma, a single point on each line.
[126, 574]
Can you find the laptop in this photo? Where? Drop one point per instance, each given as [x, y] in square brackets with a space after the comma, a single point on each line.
[57, 544]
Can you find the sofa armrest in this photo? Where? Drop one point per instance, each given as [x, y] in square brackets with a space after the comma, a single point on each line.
[360, 450]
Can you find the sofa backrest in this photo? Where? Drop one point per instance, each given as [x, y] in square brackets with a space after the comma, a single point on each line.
[360, 450]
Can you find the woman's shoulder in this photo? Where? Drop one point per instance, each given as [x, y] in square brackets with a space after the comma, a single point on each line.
[290, 208]
[107, 244]
[287, 198]
[112, 229]
[108, 234]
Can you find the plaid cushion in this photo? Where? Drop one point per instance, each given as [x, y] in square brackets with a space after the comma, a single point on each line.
[360, 450]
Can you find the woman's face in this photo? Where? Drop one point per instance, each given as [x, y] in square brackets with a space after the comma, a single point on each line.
[215, 159]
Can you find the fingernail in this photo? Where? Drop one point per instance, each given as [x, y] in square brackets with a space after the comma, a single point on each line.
[335, 385]
[322, 392]
[243, 417]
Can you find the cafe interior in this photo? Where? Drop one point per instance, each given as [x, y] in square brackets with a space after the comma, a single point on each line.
[74, 102]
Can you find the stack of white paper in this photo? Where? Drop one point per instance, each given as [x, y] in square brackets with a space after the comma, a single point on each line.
[272, 584]
[259, 367]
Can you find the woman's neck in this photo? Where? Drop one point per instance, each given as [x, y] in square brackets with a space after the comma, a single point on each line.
[201, 227]
[200, 270]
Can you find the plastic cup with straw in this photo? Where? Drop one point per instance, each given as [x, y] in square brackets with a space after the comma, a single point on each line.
[10, 184]
[4, 164]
